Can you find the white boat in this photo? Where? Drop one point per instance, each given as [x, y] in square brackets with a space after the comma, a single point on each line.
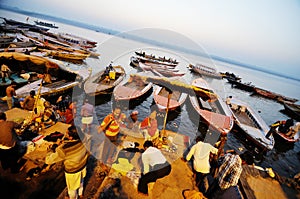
[205, 70]
[250, 123]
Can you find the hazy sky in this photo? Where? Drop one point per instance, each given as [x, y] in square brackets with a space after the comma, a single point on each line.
[263, 33]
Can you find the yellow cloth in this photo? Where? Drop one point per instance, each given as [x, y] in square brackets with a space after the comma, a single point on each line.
[73, 179]
[123, 166]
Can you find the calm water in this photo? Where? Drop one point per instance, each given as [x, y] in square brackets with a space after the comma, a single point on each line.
[119, 50]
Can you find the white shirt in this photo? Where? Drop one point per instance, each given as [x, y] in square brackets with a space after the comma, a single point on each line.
[151, 157]
[201, 152]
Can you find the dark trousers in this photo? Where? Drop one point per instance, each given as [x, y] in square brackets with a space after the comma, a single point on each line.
[9, 158]
[158, 171]
[202, 182]
[109, 148]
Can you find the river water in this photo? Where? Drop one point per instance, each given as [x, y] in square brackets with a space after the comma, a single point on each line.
[119, 49]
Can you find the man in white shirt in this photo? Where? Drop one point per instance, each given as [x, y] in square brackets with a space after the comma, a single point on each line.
[201, 152]
[155, 166]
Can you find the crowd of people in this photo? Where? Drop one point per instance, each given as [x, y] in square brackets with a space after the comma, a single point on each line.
[74, 155]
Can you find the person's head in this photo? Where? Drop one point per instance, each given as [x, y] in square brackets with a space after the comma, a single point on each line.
[72, 133]
[2, 116]
[147, 144]
[32, 93]
[47, 104]
[117, 112]
[199, 138]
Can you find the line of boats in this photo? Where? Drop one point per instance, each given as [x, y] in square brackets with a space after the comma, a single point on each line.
[22, 37]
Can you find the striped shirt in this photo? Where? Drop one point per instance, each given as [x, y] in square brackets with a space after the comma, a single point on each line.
[230, 171]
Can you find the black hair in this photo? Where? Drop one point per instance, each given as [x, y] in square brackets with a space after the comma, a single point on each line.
[2, 116]
[147, 144]
[32, 92]
[73, 132]
[199, 138]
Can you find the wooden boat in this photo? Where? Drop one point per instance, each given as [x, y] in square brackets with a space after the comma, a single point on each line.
[155, 61]
[152, 57]
[272, 95]
[19, 50]
[205, 70]
[76, 40]
[62, 78]
[249, 123]
[18, 24]
[46, 24]
[162, 95]
[292, 109]
[160, 71]
[132, 89]
[68, 55]
[6, 38]
[241, 85]
[284, 139]
[211, 108]
[227, 75]
[97, 84]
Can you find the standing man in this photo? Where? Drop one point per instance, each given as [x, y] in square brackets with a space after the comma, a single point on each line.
[155, 166]
[10, 93]
[4, 72]
[87, 112]
[74, 156]
[201, 152]
[111, 127]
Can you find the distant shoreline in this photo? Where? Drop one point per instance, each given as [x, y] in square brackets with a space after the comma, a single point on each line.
[141, 39]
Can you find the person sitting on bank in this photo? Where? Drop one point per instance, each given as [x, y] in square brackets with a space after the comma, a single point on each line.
[28, 103]
[155, 166]
[149, 127]
[9, 145]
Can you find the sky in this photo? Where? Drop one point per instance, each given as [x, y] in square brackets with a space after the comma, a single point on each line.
[262, 33]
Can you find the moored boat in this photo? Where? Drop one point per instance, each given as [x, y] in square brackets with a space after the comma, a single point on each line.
[132, 89]
[272, 95]
[99, 84]
[241, 85]
[160, 70]
[46, 24]
[172, 99]
[292, 109]
[251, 125]
[59, 78]
[211, 108]
[205, 70]
[283, 138]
